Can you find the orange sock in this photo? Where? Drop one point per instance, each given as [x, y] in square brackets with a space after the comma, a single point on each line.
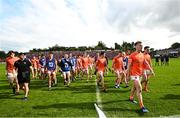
[131, 97]
[141, 104]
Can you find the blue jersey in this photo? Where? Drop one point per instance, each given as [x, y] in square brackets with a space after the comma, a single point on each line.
[51, 64]
[125, 62]
[73, 61]
[65, 65]
[42, 62]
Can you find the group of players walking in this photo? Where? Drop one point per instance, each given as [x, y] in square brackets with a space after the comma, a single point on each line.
[135, 66]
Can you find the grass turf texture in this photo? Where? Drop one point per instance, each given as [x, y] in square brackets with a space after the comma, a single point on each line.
[78, 100]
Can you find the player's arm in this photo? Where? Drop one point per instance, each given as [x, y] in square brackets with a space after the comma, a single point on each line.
[123, 67]
[113, 64]
[128, 70]
[150, 67]
[31, 68]
[16, 66]
[151, 63]
[56, 69]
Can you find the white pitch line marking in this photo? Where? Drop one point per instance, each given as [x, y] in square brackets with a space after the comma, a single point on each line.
[98, 106]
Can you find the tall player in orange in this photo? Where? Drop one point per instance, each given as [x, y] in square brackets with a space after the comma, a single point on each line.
[79, 66]
[147, 71]
[118, 68]
[11, 73]
[135, 72]
[91, 62]
[35, 62]
[101, 66]
[85, 63]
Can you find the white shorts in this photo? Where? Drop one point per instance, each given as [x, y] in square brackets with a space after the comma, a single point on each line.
[51, 72]
[100, 72]
[136, 78]
[66, 72]
[118, 71]
[147, 72]
[42, 70]
[85, 70]
[73, 68]
[11, 77]
[91, 66]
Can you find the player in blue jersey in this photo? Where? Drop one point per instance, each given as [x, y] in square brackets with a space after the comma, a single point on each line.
[73, 61]
[42, 62]
[66, 66]
[125, 62]
[51, 67]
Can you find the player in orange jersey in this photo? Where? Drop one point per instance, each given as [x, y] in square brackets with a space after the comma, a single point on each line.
[118, 68]
[101, 66]
[35, 62]
[11, 73]
[90, 64]
[85, 69]
[147, 71]
[79, 66]
[135, 72]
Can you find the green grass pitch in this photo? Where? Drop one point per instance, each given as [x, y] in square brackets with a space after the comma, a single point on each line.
[78, 100]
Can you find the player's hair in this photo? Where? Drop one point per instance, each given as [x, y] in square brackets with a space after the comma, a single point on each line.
[120, 51]
[50, 52]
[42, 55]
[137, 42]
[102, 53]
[21, 53]
[10, 52]
[146, 47]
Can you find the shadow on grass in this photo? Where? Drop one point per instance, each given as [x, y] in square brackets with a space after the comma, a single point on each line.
[86, 105]
[171, 96]
[175, 84]
[138, 111]
[8, 95]
[37, 84]
[125, 110]
[117, 91]
[5, 95]
[2, 87]
[4, 80]
[73, 89]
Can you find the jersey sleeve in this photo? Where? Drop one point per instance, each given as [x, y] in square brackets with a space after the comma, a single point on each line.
[130, 58]
[16, 64]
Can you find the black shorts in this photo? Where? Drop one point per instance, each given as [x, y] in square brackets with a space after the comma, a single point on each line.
[23, 77]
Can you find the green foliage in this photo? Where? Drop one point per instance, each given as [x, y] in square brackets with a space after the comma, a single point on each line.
[175, 45]
[2, 54]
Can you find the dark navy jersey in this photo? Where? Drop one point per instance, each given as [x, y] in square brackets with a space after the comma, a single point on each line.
[51, 64]
[73, 61]
[42, 62]
[65, 65]
[125, 62]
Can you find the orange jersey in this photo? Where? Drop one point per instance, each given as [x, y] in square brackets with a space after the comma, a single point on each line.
[10, 64]
[91, 61]
[35, 63]
[148, 59]
[101, 64]
[38, 63]
[118, 63]
[137, 61]
[85, 62]
[79, 62]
